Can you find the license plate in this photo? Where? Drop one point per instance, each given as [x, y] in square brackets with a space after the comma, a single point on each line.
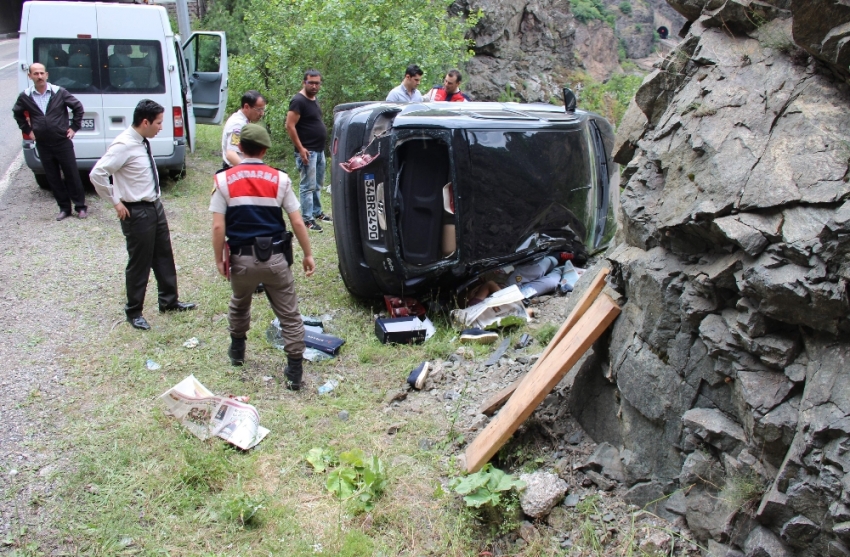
[371, 207]
[87, 125]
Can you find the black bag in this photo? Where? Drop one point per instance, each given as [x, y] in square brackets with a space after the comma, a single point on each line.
[263, 247]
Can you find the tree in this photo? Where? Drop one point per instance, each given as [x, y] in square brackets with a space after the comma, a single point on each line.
[361, 47]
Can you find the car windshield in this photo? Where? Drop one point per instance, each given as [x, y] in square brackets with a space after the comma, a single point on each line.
[521, 183]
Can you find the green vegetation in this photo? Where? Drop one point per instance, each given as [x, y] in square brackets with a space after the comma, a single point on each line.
[626, 7]
[355, 479]
[229, 16]
[360, 47]
[610, 99]
[589, 10]
[743, 491]
[491, 497]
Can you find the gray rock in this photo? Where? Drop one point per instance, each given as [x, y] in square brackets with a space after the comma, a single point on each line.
[571, 500]
[651, 496]
[676, 503]
[707, 515]
[703, 469]
[762, 390]
[542, 492]
[799, 532]
[606, 459]
[720, 550]
[746, 237]
[715, 428]
[763, 543]
[343, 415]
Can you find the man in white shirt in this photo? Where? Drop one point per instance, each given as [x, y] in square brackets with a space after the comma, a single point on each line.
[253, 109]
[135, 194]
[408, 91]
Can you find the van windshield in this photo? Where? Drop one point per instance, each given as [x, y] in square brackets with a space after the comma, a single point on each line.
[102, 65]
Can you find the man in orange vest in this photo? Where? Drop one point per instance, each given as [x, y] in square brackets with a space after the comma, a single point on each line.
[449, 90]
[247, 206]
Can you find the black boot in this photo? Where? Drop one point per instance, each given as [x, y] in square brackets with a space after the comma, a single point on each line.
[293, 372]
[237, 350]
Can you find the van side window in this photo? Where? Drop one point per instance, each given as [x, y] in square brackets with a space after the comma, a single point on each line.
[132, 66]
[70, 63]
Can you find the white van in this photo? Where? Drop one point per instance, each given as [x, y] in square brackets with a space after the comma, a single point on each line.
[111, 56]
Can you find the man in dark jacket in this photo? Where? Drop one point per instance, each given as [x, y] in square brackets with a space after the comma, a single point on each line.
[42, 114]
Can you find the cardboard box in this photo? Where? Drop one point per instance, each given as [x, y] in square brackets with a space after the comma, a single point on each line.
[400, 330]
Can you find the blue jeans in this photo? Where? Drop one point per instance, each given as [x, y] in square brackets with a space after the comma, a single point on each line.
[312, 178]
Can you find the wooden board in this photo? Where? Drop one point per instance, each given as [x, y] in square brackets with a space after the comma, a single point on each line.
[541, 380]
[489, 406]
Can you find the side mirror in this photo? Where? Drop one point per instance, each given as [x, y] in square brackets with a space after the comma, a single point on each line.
[570, 100]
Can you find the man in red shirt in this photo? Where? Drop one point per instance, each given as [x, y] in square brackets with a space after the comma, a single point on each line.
[449, 91]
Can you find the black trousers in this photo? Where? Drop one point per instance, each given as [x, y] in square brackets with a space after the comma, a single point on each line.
[148, 248]
[58, 160]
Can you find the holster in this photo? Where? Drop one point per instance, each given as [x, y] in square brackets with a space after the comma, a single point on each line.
[287, 248]
[263, 247]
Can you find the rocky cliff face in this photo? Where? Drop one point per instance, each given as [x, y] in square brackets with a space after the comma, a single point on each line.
[524, 49]
[725, 381]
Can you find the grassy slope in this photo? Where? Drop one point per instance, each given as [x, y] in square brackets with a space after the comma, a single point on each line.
[144, 485]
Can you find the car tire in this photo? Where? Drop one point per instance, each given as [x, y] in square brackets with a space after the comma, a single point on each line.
[348, 106]
[41, 180]
[358, 279]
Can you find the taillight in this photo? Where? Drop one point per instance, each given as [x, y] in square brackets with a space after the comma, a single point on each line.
[178, 121]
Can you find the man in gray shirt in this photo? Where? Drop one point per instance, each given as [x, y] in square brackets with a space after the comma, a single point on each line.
[407, 92]
[135, 194]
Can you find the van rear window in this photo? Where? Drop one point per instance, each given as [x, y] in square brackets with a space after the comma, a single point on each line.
[102, 65]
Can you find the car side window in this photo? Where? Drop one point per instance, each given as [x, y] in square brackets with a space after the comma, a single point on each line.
[70, 63]
[132, 66]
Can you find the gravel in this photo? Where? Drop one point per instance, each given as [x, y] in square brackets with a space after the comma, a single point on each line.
[46, 311]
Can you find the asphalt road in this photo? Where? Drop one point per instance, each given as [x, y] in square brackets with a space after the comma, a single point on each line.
[10, 136]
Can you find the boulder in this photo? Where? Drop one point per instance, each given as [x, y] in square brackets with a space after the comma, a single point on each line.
[541, 493]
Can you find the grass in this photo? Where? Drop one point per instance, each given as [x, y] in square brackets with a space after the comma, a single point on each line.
[141, 484]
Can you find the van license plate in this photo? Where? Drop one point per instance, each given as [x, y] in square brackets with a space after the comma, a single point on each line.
[87, 124]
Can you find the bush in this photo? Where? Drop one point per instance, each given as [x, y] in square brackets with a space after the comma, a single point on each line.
[626, 7]
[610, 99]
[360, 47]
[588, 10]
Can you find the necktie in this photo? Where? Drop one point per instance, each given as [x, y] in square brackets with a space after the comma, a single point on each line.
[153, 165]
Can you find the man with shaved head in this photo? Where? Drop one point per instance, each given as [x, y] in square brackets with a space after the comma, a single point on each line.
[41, 112]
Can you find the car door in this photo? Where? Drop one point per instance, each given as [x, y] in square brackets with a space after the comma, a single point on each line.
[205, 54]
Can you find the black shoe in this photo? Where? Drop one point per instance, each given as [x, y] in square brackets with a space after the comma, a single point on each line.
[62, 215]
[236, 351]
[139, 322]
[260, 288]
[324, 218]
[313, 225]
[179, 306]
[293, 372]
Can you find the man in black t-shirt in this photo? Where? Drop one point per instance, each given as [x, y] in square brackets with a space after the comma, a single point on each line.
[308, 133]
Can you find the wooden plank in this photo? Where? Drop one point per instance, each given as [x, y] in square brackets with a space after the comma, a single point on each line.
[540, 382]
[496, 400]
[489, 406]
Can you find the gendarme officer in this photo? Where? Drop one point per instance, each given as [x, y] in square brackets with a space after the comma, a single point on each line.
[246, 206]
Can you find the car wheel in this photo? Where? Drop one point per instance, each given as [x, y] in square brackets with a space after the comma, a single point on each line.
[41, 180]
[358, 279]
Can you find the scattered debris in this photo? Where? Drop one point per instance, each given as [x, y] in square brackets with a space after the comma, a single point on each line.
[206, 414]
[192, 342]
[500, 351]
[329, 386]
[152, 365]
[417, 377]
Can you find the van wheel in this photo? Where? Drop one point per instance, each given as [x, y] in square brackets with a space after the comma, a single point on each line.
[177, 174]
[41, 180]
[358, 278]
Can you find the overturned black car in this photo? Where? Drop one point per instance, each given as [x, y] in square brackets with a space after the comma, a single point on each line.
[429, 195]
